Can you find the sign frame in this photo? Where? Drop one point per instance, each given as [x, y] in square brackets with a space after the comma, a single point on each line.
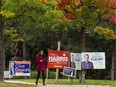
[68, 71]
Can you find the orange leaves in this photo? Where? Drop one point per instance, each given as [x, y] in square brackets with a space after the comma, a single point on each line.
[109, 4]
[77, 2]
[112, 3]
[68, 6]
[65, 1]
[62, 3]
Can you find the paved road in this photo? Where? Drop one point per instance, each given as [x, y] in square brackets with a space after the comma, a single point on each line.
[54, 85]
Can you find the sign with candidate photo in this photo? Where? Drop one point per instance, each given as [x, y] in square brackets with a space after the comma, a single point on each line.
[75, 61]
[19, 68]
[93, 60]
[68, 71]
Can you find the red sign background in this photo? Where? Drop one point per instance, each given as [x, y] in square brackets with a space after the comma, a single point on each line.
[58, 59]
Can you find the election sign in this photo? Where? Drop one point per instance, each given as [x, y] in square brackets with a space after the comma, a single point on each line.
[93, 60]
[68, 71]
[75, 61]
[19, 68]
[58, 59]
[7, 74]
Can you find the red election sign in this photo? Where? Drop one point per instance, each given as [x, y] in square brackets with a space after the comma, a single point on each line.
[58, 59]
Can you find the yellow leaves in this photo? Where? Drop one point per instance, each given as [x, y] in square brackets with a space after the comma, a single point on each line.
[69, 8]
[44, 1]
[18, 39]
[13, 35]
[105, 32]
[7, 13]
[9, 32]
[78, 11]
[47, 1]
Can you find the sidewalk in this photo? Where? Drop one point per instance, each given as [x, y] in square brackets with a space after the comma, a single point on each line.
[54, 85]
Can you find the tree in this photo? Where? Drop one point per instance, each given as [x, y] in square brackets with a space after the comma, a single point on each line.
[2, 51]
[112, 20]
[28, 18]
[109, 18]
[83, 16]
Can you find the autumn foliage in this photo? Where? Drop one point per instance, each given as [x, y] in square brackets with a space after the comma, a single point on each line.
[111, 5]
[69, 16]
[113, 20]
[105, 32]
[67, 7]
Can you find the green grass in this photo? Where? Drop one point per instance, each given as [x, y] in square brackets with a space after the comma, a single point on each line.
[5, 84]
[74, 82]
[60, 81]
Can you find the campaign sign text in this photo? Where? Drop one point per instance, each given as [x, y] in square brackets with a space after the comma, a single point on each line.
[58, 59]
[19, 68]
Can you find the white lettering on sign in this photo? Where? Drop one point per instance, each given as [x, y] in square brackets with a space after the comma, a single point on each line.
[58, 58]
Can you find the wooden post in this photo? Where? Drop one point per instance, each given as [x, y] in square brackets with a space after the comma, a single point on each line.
[59, 43]
[47, 70]
[57, 70]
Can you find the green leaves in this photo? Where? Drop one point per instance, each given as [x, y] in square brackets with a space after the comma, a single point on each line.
[30, 16]
[7, 13]
[13, 35]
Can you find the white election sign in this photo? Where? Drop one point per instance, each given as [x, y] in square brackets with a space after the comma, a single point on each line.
[97, 58]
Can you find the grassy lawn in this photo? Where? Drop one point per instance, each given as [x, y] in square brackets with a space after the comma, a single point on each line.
[74, 82]
[4, 84]
[60, 81]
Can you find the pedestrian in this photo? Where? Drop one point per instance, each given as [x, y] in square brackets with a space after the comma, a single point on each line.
[40, 66]
[12, 69]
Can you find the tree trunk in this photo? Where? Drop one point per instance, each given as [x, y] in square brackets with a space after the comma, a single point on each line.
[24, 51]
[113, 68]
[2, 50]
[115, 59]
[25, 55]
[82, 44]
[82, 49]
[17, 51]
